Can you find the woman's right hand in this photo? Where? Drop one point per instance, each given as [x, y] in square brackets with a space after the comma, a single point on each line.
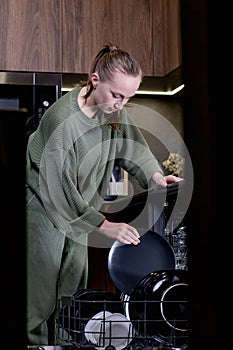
[121, 232]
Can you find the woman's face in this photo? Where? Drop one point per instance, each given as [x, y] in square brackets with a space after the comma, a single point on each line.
[113, 95]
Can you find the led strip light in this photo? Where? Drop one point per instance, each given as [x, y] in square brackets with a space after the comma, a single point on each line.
[146, 92]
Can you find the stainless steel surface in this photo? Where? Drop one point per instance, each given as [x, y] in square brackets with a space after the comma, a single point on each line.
[19, 78]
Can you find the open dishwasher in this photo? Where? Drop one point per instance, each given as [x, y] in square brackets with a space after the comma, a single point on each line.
[154, 316]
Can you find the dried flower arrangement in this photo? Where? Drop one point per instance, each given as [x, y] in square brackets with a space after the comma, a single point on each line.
[175, 164]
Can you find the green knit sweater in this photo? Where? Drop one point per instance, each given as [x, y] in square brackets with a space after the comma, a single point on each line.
[70, 159]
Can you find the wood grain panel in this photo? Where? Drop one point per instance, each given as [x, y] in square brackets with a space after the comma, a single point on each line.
[30, 35]
[89, 24]
[167, 50]
[98, 276]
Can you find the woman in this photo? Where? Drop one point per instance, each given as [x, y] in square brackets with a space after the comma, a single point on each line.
[70, 159]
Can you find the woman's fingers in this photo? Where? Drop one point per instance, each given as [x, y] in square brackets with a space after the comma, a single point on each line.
[122, 232]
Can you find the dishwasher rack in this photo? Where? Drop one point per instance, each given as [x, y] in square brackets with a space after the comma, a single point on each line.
[71, 322]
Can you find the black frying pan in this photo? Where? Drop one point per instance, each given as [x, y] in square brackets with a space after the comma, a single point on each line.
[128, 264]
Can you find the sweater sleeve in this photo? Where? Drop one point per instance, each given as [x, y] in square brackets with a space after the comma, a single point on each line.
[135, 155]
[63, 202]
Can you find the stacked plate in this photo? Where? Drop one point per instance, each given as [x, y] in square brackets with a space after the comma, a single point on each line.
[83, 305]
[158, 306]
[109, 329]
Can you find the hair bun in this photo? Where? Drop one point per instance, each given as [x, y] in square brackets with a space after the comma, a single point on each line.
[113, 48]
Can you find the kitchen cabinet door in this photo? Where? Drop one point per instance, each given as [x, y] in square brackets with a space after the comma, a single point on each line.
[88, 25]
[30, 33]
[167, 46]
[149, 29]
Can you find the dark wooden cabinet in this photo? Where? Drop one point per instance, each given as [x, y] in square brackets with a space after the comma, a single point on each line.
[149, 29]
[98, 274]
[31, 35]
[64, 35]
[89, 24]
[167, 45]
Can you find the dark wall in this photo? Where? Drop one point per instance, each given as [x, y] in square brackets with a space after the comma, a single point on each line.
[13, 227]
[203, 53]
